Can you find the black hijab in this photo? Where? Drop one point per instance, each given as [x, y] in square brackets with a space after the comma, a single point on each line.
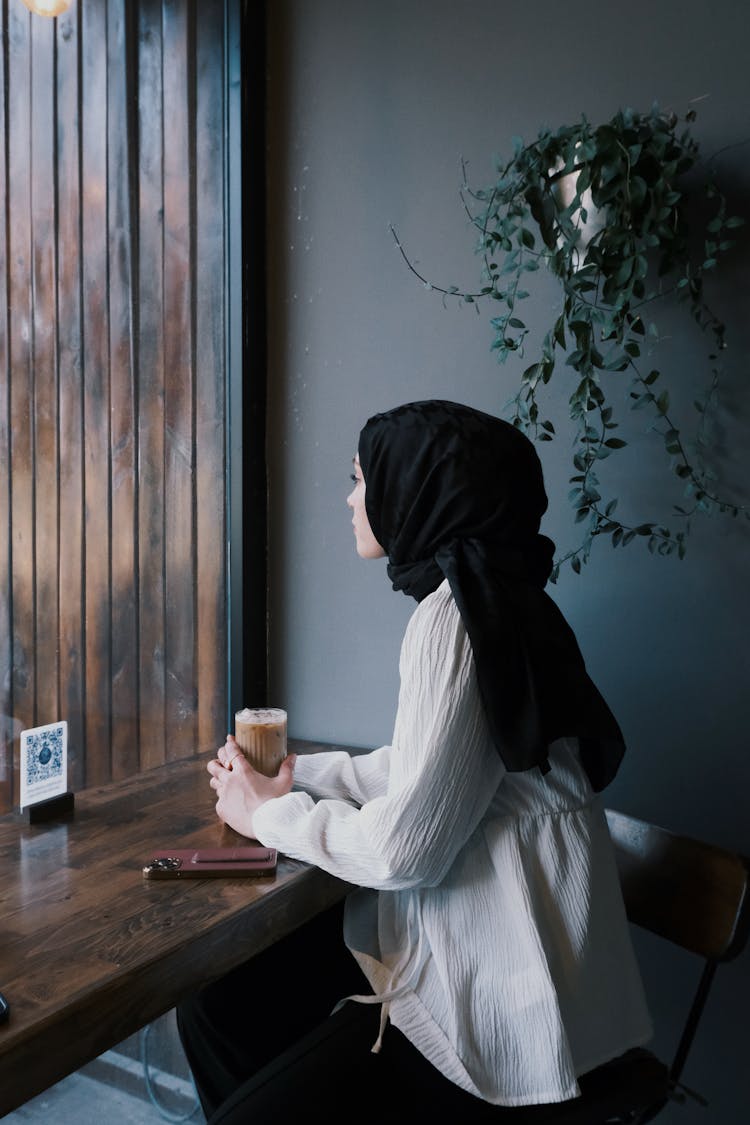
[451, 492]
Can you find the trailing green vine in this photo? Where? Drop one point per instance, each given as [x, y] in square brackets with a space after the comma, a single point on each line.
[618, 242]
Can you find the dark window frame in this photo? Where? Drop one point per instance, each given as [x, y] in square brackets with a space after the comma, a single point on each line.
[245, 202]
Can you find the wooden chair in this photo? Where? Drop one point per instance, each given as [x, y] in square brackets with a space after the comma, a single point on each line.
[694, 895]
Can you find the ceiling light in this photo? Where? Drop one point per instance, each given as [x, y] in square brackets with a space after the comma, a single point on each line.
[47, 7]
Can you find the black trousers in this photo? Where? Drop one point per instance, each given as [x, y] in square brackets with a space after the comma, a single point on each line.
[264, 1047]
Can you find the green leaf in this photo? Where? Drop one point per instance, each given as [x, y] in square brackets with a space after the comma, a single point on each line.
[625, 272]
[584, 179]
[641, 266]
[638, 190]
[615, 443]
[618, 362]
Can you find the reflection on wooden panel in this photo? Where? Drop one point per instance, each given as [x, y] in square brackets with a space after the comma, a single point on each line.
[70, 392]
[209, 326]
[112, 383]
[6, 648]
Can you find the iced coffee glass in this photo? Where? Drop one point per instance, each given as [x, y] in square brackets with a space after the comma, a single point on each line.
[260, 733]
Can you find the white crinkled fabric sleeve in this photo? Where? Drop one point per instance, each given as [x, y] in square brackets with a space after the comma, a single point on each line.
[334, 773]
[444, 772]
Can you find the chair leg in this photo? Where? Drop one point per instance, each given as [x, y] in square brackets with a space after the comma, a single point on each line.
[691, 1025]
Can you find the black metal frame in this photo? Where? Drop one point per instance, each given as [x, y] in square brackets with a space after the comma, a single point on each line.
[245, 203]
[255, 525]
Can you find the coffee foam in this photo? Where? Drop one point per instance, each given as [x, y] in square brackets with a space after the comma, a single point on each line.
[261, 716]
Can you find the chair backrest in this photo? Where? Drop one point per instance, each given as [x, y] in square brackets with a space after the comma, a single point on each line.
[692, 893]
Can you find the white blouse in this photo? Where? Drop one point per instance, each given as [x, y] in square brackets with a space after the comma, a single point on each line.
[489, 919]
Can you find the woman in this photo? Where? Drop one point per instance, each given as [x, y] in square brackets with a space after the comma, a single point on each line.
[495, 965]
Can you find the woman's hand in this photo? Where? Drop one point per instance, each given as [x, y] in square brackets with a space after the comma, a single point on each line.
[241, 790]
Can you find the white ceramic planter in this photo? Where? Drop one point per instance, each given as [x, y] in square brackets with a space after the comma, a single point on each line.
[564, 191]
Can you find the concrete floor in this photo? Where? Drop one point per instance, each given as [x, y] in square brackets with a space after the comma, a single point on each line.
[144, 1081]
[80, 1100]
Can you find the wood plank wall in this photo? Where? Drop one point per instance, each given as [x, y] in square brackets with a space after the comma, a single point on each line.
[113, 585]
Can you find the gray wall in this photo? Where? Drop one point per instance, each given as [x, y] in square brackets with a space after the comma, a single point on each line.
[372, 107]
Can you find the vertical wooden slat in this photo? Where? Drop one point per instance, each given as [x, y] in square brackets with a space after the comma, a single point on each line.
[151, 385]
[71, 632]
[96, 382]
[21, 368]
[210, 378]
[179, 540]
[6, 701]
[125, 757]
[45, 411]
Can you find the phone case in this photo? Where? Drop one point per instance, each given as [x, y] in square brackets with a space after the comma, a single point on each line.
[252, 861]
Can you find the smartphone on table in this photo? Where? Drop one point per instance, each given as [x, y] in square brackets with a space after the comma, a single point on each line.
[249, 861]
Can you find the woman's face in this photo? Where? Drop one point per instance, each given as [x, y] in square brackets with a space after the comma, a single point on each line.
[367, 545]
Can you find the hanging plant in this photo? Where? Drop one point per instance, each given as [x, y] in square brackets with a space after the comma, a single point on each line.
[603, 209]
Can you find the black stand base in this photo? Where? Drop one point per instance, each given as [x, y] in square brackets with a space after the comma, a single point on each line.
[61, 807]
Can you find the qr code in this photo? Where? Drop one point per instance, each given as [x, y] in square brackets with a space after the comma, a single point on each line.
[44, 759]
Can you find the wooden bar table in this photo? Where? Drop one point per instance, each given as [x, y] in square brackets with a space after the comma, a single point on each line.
[90, 951]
